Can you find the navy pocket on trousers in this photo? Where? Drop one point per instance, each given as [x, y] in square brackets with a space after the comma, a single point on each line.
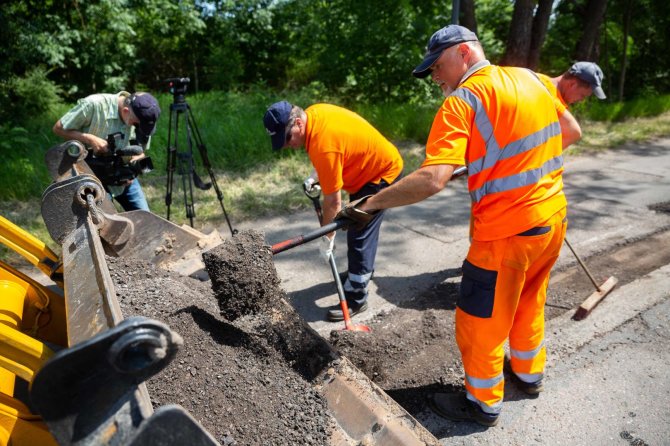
[478, 288]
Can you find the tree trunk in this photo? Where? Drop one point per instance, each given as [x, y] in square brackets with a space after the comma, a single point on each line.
[518, 41]
[540, 25]
[593, 19]
[628, 14]
[468, 18]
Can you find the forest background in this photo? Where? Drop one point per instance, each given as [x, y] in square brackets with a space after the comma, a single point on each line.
[241, 56]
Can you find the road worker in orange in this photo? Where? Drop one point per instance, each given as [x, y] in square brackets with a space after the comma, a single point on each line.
[348, 154]
[502, 124]
[582, 80]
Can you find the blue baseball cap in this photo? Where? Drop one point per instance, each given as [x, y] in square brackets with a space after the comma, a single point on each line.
[591, 73]
[145, 108]
[275, 120]
[442, 39]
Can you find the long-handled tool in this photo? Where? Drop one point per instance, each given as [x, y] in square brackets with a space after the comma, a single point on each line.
[314, 194]
[341, 223]
[598, 295]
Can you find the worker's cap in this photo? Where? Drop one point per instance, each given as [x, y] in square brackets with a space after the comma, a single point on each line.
[442, 39]
[275, 120]
[146, 109]
[591, 73]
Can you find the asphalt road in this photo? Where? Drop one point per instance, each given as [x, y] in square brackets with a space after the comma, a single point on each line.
[608, 377]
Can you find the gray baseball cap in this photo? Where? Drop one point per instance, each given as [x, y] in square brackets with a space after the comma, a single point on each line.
[442, 39]
[591, 73]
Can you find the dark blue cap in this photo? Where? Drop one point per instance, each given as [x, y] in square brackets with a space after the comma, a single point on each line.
[275, 121]
[145, 108]
[591, 73]
[443, 38]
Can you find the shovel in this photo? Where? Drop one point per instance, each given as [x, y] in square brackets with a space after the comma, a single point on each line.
[313, 194]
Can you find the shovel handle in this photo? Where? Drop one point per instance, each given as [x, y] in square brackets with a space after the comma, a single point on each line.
[304, 238]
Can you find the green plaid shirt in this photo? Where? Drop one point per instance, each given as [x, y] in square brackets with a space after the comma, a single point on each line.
[98, 114]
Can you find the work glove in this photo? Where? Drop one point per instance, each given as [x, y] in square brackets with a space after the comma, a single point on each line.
[309, 183]
[359, 218]
[326, 247]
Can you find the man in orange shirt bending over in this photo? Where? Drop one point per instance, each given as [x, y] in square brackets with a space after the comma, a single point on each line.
[503, 124]
[582, 80]
[348, 154]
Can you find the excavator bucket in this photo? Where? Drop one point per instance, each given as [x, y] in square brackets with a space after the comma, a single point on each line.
[139, 233]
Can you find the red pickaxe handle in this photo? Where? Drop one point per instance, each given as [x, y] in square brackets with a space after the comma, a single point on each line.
[302, 239]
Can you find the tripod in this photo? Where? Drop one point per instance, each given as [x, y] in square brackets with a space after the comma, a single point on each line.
[183, 162]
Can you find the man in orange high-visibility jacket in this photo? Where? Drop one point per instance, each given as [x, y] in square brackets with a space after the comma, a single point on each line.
[504, 126]
[348, 154]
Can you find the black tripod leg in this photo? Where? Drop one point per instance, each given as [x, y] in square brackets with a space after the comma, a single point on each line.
[183, 161]
[171, 163]
[205, 161]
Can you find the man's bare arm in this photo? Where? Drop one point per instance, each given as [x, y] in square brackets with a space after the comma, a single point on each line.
[571, 132]
[98, 145]
[417, 186]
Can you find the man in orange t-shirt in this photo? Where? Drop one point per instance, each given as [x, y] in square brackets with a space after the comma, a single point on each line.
[348, 154]
[503, 124]
[582, 80]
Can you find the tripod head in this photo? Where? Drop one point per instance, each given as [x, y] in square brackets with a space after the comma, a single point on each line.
[178, 86]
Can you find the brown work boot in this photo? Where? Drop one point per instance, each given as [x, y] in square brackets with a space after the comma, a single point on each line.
[532, 389]
[457, 407]
[528, 388]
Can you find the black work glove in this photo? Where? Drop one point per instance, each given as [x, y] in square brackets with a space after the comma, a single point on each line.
[359, 218]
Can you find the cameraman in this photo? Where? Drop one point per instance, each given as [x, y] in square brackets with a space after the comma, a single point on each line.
[97, 116]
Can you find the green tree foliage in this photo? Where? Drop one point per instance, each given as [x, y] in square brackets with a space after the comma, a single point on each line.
[343, 50]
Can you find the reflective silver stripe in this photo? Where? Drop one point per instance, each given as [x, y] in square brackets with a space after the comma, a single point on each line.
[530, 377]
[485, 128]
[518, 180]
[360, 278]
[349, 286]
[481, 383]
[526, 354]
[493, 409]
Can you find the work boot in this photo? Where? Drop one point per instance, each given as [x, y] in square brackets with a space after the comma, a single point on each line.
[335, 313]
[528, 388]
[532, 389]
[457, 407]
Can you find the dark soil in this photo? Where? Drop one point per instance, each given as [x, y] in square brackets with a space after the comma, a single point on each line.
[246, 381]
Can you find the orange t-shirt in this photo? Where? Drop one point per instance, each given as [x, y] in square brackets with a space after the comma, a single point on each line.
[347, 151]
[546, 81]
[503, 124]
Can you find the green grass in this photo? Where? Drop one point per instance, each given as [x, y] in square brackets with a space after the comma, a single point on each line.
[254, 180]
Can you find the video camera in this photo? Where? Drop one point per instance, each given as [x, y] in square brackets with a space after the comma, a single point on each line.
[178, 86]
[117, 167]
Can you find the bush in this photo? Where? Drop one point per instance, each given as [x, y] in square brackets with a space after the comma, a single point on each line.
[22, 98]
[603, 111]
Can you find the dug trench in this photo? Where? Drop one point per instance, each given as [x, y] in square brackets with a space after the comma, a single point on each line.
[246, 370]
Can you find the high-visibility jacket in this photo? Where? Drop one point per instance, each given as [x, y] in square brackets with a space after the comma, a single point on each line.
[502, 123]
[347, 151]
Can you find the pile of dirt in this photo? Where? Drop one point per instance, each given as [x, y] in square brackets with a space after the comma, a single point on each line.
[246, 286]
[243, 276]
[411, 352]
[229, 374]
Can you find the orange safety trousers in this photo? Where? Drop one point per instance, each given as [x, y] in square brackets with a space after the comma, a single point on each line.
[503, 292]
